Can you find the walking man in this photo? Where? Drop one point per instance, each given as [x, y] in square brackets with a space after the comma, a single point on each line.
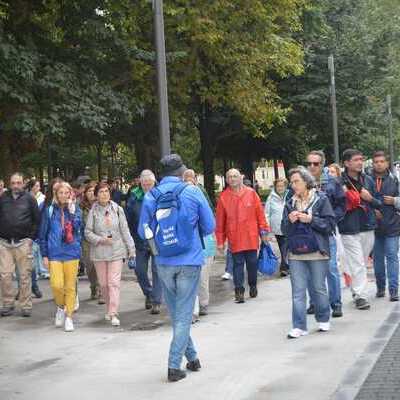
[332, 188]
[19, 222]
[358, 225]
[386, 249]
[174, 217]
[153, 290]
[241, 221]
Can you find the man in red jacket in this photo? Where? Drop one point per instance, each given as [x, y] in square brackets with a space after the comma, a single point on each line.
[241, 221]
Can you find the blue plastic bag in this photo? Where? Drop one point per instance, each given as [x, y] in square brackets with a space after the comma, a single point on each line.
[268, 262]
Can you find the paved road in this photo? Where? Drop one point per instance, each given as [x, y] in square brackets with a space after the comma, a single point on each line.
[243, 349]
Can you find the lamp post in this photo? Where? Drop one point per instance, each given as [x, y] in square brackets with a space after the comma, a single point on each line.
[163, 113]
[331, 66]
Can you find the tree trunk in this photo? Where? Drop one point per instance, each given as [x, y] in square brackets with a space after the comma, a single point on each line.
[207, 150]
[99, 148]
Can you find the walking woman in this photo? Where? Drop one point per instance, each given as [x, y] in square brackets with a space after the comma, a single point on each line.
[60, 245]
[274, 212]
[308, 220]
[110, 243]
[86, 204]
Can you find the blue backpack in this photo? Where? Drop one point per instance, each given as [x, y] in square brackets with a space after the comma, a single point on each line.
[173, 232]
[302, 239]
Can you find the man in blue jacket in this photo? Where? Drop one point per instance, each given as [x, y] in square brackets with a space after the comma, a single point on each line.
[152, 291]
[334, 191]
[179, 274]
[387, 232]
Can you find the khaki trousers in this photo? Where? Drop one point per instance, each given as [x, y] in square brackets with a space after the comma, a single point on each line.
[22, 257]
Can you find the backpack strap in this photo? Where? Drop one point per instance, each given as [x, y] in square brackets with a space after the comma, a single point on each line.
[179, 189]
[156, 193]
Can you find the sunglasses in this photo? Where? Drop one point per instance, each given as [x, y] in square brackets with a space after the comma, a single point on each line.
[313, 164]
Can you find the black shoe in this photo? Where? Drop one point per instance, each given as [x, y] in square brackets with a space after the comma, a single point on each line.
[337, 311]
[155, 309]
[7, 311]
[148, 304]
[193, 365]
[37, 293]
[26, 313]
[203, 311]
[239, 295]
[362, 304]
[380, 293]
[394, 295]
[175, 375]
[284, 271]
[311, 310]
[253, 292]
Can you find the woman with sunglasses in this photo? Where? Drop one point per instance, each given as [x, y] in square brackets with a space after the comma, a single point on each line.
[110, 243]
[60, 245]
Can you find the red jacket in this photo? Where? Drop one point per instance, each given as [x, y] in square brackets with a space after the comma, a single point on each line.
[240, 219]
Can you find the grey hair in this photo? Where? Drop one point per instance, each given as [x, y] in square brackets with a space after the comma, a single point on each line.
[305, 175]
[321, 155]
[18, 174]
[147, 174]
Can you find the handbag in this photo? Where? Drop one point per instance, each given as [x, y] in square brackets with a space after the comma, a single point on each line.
[268, 262]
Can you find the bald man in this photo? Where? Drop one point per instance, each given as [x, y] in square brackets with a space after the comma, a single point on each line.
[241, 222]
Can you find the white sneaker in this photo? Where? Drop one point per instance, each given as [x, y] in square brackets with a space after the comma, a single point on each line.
[226, 276]
[107, 317]
[60, 317]
[69, 325]
[324, 326]
[296, 333]
[115, 321]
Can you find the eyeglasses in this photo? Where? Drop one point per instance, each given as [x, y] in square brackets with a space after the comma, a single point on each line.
[313, 164]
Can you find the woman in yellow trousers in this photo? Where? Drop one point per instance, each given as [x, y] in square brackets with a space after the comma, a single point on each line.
[60, 244]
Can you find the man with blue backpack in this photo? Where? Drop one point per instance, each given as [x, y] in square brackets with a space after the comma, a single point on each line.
[175, 217]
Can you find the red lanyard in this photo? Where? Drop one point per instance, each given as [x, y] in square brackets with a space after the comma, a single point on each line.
[378, 184]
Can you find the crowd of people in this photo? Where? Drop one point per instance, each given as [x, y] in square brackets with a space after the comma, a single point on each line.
[320, 218]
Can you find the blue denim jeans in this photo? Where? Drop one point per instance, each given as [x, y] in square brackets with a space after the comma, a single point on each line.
[386, 249]
[152, 290]
[180, 286]
[229, 262]
[301, 274]
[239, 259]
[333, 278]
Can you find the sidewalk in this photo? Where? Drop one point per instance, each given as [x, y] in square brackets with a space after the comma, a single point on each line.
[243, 349]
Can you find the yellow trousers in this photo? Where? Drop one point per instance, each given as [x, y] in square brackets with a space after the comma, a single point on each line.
[63, 275]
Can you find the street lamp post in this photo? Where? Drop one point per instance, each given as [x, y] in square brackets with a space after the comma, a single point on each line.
[163, 114]
[391, 145]
[331, 66]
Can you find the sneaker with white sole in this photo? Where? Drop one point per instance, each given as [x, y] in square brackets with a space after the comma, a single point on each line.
[107, 317]
[324, 326]
[115, 321]
[296, 333]
[69, 325]
[226, 276]
[60, 317]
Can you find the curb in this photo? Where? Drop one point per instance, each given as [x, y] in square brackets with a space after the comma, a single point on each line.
[357, 374]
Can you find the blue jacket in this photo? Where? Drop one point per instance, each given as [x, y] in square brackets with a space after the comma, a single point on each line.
[322, 223]
[390, 224]
[51, 240]
[361, 219]
[133, 210]
[335, 193]
[199, 214]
